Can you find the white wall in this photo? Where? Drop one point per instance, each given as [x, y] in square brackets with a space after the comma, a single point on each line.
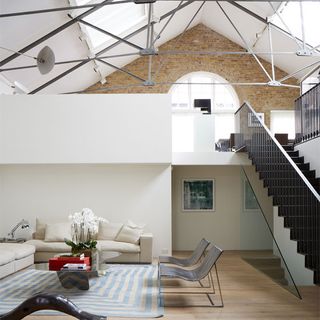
[141, 193]
[204, 138]
[311, 152]
[131, 128]
[221, 226]
[197, 132]
[295, 261]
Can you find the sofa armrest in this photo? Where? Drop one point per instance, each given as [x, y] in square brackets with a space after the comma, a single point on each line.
[146, 240]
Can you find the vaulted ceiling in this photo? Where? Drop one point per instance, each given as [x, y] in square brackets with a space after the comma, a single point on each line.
[77, 66]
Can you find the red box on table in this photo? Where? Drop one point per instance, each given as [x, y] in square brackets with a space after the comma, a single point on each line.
[56, 263]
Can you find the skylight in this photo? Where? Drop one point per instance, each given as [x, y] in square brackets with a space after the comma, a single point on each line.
[116, 19]
[291, 15]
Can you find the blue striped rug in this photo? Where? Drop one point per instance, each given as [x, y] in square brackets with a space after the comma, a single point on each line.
[124, 291]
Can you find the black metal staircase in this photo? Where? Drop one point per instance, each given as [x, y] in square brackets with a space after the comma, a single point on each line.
[289, 180]
[304, 167]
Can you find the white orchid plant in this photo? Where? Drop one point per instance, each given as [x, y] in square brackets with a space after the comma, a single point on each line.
[84, 226]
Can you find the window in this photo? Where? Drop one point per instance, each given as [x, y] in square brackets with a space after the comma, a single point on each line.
[283, 121]
[203, 85]
[107, 18]
[192, 130]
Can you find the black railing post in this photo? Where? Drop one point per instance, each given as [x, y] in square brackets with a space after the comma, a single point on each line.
[307, 115]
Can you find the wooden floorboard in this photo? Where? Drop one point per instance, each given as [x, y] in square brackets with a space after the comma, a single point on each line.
[247, 293]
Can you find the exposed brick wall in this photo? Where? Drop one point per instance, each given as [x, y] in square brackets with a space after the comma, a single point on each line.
[234, 68]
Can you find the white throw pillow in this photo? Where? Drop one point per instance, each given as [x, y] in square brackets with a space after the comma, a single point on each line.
[130, 233]
[108, 230]
[134, 225]
[57, 231]
[41, 223]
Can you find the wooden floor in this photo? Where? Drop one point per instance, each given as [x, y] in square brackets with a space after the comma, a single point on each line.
[248, 294]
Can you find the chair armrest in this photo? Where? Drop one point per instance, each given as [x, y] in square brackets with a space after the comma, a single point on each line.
[146, 241]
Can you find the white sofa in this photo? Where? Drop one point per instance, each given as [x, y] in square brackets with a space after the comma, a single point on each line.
[114, 242]
[14, 257]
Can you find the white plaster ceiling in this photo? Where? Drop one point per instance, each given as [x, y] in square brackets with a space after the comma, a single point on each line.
[19, 31]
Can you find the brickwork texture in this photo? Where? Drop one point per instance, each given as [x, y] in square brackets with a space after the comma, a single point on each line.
[167, 69]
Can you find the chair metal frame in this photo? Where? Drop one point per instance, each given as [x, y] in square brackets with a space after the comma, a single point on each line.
[173, 272]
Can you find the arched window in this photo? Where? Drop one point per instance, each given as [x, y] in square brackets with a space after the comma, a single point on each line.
[192, 130]
[203, 85]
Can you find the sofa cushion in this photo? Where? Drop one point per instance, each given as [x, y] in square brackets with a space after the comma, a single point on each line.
[108, 245]
[57, 232]
[43, 246]
[130, 233]
[6, 257]
[19, 251]
[108, 230]
[134, 225]
[41, 227]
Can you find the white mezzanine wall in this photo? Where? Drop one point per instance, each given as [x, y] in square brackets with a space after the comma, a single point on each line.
[119, 128]
[197, 132]
[111, 153]
[310, 150]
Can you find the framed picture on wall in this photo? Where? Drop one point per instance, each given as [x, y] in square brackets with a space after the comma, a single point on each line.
[250, 201]
[198, 195]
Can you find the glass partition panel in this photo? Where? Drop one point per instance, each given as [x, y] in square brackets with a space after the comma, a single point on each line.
[257, 242]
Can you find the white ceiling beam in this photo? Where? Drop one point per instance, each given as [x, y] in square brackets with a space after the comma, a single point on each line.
[150, 46]
[302, 26]
[271, 52]
[148, 42]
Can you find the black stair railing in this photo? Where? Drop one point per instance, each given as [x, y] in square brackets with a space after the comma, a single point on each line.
[296, 198]
[307, 115]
